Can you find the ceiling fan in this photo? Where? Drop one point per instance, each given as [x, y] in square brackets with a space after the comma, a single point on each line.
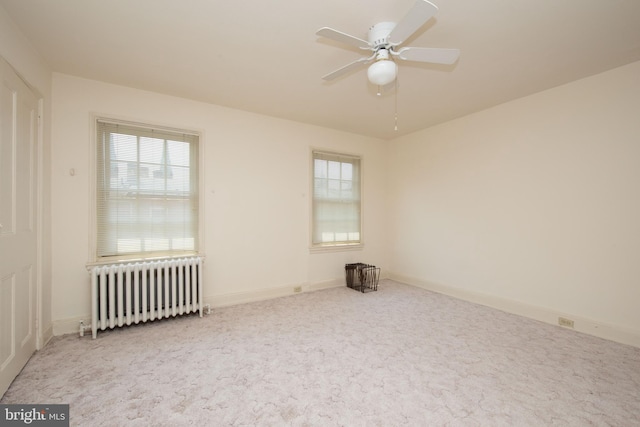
[384, 41]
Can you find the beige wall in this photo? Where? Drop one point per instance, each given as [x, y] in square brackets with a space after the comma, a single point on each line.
[256, 195]
[17, 50]
[532, 206]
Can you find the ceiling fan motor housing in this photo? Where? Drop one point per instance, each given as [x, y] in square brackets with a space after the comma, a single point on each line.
[379, 34]
[383, 71]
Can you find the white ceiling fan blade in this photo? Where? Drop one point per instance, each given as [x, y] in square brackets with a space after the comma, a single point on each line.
[420, 13]
[339, 36]
[429, 54]
[347, 68]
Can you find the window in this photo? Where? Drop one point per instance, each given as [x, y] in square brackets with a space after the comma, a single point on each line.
[147, 191]
[336, 213]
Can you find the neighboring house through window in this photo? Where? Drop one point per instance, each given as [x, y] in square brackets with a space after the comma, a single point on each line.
[336, 210]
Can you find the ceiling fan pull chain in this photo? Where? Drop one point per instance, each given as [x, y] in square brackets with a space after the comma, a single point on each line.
[396, 104]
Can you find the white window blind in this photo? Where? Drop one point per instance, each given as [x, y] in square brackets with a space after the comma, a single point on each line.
[147, 190]
[336, 200]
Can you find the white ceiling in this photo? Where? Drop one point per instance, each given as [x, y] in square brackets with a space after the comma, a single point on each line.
[263, 55]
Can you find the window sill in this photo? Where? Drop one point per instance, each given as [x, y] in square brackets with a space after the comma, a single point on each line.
[335, 248]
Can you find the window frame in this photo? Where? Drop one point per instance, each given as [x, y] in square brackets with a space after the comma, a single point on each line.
[331, 246]
[94, 258]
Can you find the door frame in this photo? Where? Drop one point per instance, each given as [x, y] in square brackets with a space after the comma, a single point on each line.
[41, 340]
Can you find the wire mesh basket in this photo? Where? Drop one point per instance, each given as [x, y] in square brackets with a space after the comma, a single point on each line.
[362, 277]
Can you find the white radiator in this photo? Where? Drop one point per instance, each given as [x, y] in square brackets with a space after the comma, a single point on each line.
[122, 294]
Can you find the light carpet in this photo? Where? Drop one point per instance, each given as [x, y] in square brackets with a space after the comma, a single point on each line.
[337, 357]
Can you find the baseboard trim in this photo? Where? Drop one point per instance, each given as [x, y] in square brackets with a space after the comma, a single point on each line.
[235, 298]
[72, 326]
[45, 337]
[327, 284]
[581, 324]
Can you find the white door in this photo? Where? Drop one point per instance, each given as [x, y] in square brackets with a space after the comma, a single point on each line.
[18, 234]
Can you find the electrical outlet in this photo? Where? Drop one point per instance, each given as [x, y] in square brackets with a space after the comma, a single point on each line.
[563, 321]
[297, 289]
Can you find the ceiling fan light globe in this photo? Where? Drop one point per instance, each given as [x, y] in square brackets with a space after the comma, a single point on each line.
[382, 73]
